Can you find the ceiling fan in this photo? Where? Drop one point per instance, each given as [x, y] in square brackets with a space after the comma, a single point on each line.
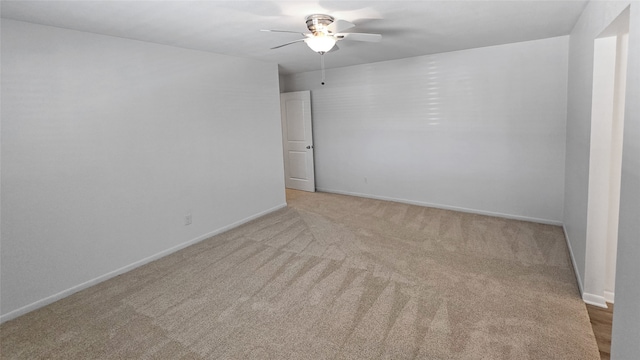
[325, 31]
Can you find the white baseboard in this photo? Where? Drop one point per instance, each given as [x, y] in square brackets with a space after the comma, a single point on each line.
[595, 300]
[609, 296]
[53, 298]
[591, 299]
[573, 261]
[444, 207]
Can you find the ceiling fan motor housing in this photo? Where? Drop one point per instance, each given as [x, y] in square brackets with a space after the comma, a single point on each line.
[318, 23]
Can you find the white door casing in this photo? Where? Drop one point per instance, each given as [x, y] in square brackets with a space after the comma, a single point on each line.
[297, 140]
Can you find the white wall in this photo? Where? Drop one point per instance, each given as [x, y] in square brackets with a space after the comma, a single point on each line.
[107, 143]
[481, 130]
[626, 321]
[596, 17]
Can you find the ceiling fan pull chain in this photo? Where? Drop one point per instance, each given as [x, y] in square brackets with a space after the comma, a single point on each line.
[322, 67]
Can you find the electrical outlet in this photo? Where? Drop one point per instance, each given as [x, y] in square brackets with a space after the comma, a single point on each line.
[365, 180]
[187, 219]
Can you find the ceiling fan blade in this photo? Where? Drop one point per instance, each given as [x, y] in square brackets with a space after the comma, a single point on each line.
[334, 48]
[289, 43]
[339, 26]
[359, 37]
[285, 31]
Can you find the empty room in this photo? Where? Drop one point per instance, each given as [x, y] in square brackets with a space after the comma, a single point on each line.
[320, 179]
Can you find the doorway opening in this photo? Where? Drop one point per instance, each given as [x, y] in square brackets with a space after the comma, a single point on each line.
[605, 161]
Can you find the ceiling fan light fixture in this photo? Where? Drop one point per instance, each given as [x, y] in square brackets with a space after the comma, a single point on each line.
[320, 43]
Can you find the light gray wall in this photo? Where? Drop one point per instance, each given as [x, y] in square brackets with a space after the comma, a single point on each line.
[596, 17]
[481, 130]
[626, 322]
[107, 143]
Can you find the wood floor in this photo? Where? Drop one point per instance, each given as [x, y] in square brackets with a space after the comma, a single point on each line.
[601, 320]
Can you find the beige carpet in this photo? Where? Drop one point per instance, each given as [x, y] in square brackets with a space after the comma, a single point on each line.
[332, 277]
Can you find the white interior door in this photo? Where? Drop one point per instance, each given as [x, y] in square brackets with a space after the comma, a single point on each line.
[297, 140]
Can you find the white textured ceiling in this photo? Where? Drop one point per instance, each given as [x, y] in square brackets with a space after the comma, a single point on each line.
[409, 28]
